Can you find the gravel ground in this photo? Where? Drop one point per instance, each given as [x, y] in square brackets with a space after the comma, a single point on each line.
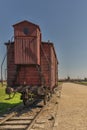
[72, 109]
[66, 113]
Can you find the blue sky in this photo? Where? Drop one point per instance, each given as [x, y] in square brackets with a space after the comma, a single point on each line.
[63, 22]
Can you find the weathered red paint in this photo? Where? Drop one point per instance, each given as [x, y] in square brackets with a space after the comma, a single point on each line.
[49, 64]
[27, 38]
[22, 67]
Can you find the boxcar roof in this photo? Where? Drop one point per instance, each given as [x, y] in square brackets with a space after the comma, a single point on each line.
[25, 21]
[51, 44]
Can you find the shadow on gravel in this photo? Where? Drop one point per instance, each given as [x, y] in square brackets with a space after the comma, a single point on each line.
[29, 108]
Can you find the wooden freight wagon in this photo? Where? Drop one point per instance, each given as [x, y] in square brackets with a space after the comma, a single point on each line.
[49, 64]
[32, 65]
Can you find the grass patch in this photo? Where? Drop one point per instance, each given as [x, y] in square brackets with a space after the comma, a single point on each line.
[81, 82]
[60, 82]
[6, 103]
[84, 82]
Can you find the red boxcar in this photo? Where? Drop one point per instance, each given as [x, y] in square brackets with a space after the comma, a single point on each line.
[31, 62]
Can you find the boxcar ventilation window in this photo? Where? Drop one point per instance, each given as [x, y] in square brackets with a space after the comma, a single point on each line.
[26, 31]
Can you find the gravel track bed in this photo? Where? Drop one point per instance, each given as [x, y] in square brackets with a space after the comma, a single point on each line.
[72, 109]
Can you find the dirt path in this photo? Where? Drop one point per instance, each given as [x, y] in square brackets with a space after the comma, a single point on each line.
[72, 111]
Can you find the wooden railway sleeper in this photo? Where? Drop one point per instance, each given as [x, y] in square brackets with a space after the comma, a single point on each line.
[7, 117]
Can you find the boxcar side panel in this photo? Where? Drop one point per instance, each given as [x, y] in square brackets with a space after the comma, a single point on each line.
[45, 62]
[56, 72]
[49, 64]
[54, 67]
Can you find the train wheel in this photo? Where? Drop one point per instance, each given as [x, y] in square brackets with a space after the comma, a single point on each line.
[46, 98]
[25, 102]
[25, 97]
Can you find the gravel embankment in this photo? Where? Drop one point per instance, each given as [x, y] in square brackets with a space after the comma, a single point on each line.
[72, 109]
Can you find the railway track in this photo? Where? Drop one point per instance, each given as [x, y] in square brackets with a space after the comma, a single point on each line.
[22, 119]
[35, 117]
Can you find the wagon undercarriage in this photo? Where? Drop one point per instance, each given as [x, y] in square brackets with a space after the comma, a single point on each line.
[31, 93]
